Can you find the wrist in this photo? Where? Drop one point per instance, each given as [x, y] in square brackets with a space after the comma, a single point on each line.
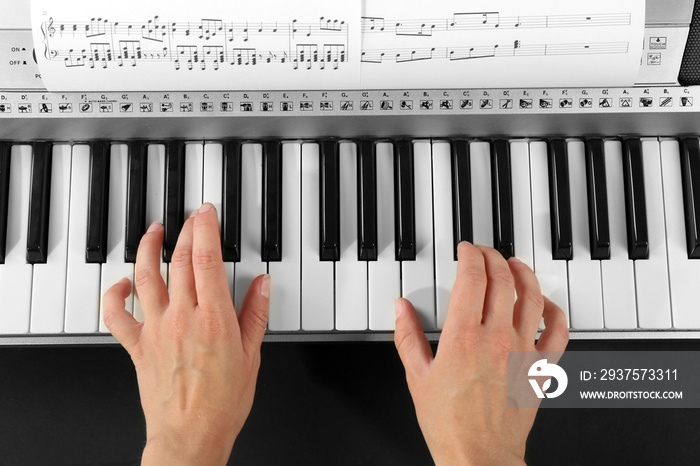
[470, 459]
[481, 454]
[168, 449]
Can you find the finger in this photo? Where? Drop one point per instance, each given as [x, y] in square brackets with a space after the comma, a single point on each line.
[500, 290]
[556, 333]
[117, 319]
[150, 287]
[209, 273]
[254, 313]
[530, 303]
[411, 343]
[182, 286]
[467, 298]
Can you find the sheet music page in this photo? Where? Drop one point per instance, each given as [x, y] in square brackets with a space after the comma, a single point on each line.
[202, 45]
[501, 43]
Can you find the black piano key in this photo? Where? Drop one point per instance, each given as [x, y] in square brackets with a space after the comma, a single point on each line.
[272, 202]
[330, 201]
[461, 194]
[4, 196]
[136, 200]
[690, 178]
[231, 206]
[502, 198]
[560, 200]
[404, 202]
[598, 221]
[366, 201]
[635, 200]
[39, 204]
[98, 203]
[174, 213]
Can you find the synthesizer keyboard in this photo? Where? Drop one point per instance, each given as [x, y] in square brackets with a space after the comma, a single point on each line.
[609, 224]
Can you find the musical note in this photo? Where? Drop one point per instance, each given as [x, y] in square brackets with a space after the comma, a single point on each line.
[373, 23]
[209, 28]
[217, 51]
[190, 53]
[95, 28]
[334, 54]
[101, 53]
[516, 45]
[72, 61]
[245, 56]
[415, 55]
[330, 25]
[131, 50]
[150, 30]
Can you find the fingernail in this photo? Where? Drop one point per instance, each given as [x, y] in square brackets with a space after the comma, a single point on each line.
[155, 226]
[265, 286]
[124, 281]
[458, 246]
[193, 214]
[398, 307]
[515, 259]
[206, 207]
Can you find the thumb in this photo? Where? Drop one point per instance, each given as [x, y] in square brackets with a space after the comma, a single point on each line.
[414, 349]
[254, 314]
[120, 322]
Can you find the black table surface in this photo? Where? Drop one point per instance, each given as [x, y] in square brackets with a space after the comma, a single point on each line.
[316, 404]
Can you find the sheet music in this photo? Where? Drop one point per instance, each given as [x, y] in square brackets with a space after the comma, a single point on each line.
[501, 43]
[311, 44]
[203, 45]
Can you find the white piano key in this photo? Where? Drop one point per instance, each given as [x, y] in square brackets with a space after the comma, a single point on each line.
[552, 274]
[684, 273]
[285, 292]
[194, 165]
[155, 201]
[316, 275]
[213, 192]
[82, 279]
[585, 288]
[417, 278]
[522, 204]
[49, 279]
[384, 273]
[351, 273]
[445, 264]
[15, 273]
[116, 268]
[482, 206]
[619, 303]
[651, 276]
[251, 264]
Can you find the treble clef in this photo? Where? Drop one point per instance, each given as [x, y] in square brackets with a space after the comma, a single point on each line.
[51, 30]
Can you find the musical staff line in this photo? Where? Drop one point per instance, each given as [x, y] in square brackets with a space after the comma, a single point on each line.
[473, 21]
[517, 49]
